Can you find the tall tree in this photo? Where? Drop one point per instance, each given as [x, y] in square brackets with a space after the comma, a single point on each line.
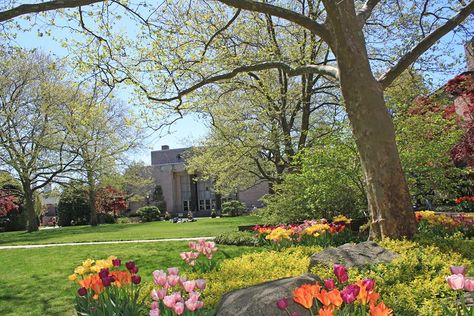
[33, 137]
[352, 30]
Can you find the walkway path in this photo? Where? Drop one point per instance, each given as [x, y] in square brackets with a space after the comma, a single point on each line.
[103, 242]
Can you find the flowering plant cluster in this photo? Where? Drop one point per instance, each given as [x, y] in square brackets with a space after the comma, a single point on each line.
[442, 223]
[465, 203]
[465, 285]
[313, 232]
[107, 290]
[338, 297]
[175, 294]
[200, 256]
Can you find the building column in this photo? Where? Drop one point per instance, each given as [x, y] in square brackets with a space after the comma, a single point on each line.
[194, 194]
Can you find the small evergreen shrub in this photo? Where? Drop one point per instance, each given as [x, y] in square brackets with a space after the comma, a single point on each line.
[233, 208]
[149, 213]
[237, 239]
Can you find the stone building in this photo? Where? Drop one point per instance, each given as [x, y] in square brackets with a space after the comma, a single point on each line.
[183, 193]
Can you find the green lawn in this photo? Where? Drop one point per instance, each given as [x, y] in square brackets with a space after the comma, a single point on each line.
[202, 228]
[34, 281]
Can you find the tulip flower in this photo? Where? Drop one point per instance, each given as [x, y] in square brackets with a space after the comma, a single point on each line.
[341, 273]
[106, 281]
[329, 284]
[189, 286]
[104, 273]
[369, 284]
[159, 277]
[154, 295]
[154, 305]
[173, 271]
[130, 265]
[172, 280]
[303, 296]
[295, 314]
[456, 281]
[469, 284]
[116, 262]
[282, 303]
[349, 293]
[178, 308]
[154, 312]
[458, 270]
[136, 279]
[326, 311]
[380, 310]
[169, 301]
[201, 284]
[134, 270]
[193, 305]
[82, 291]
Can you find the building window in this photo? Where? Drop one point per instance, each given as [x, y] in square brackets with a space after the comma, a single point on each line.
[208, 204]
[201, 205]
[186, 205]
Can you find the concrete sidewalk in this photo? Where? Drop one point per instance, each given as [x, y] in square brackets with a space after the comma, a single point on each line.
[104, 242]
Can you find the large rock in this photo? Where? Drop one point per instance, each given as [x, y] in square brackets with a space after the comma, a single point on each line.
[353, 255]
[261, 299]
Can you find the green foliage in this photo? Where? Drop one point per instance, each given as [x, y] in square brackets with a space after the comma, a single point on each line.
[233, 208]
[329, 182]
[237, 239]
[74, 206]
[158, 198]
[255, 268]
[413, 284]
[149, 213]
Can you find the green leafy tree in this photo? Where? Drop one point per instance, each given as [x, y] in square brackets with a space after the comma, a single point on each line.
[73, 206]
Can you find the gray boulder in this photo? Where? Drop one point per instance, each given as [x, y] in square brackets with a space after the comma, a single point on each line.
[353, 255]
[261, 299]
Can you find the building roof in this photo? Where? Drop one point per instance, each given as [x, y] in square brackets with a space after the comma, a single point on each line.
[168, 156]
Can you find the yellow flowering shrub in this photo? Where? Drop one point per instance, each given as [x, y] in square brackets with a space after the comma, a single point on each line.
[413, 284]
[254, 268]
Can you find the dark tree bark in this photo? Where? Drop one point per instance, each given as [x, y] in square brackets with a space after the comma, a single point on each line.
[92, 191]
[31, 218]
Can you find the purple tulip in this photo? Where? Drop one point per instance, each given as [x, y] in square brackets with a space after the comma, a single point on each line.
[82, 291]
[349, 293]
[136, 279]
[369, 284]
[341, 273]
[104, 273]
[282, 303]
[116, 262]
[130, 265]
[106, 281]
[134, 270]
[330, 284]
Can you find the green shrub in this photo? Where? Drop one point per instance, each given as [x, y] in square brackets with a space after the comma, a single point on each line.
[254, 268]
[73, 205]
[149, 213]
[237, 239]
[233, 208]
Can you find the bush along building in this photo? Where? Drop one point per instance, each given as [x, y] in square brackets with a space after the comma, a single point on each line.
[184, 192]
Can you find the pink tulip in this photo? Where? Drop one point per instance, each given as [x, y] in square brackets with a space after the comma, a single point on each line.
[154, 305]
[194, 296]
[282, 303]
[193, 305]
[159, 277]
[178, 308]
[456, 281]
[330, 284]
[177, 296]
[369, 284]
[182, 279]
[458, 270]
[201, 284]
[161, 293]
[172, 280]
[341, 273]
[173, 271]
[295, 314]
[469, 284]
[154, 295]
[155, 312]
[189, 286]
[169, 301]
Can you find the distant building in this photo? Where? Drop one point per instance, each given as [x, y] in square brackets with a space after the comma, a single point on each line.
[183, 193]
[49, 202]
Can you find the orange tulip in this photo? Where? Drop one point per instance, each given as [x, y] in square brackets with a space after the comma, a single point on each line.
[303, 296]
[335, 297]
[93, 282]
[365, 296]
[323, 298]
[380, 310]
[312, 288]
[121, 278]
[326, 311]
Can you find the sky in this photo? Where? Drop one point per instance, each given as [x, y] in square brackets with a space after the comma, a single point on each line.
[185, 132]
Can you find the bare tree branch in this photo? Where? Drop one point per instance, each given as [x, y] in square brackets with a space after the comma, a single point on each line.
[410, 57]
[42, 7]
[366, 10]
[292, 16]
[324, 70]
[220, 31]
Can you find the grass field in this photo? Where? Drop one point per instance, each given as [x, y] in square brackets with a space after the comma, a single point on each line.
[34, 281]
[154, 230]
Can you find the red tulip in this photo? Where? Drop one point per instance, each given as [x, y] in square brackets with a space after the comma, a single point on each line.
[341, 273]
[329, 284]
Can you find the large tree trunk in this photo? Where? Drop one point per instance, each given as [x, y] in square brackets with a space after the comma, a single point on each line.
[92, 197]
[387, 192]
[31, 217]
